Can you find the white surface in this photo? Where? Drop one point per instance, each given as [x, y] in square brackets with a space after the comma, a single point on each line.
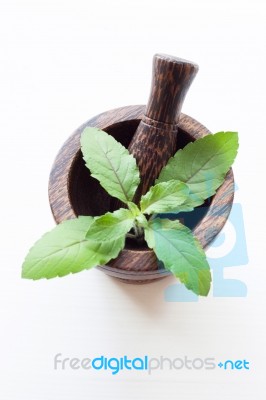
[63, 62]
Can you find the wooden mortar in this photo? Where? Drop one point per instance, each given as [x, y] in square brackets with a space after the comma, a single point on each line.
[157, 131]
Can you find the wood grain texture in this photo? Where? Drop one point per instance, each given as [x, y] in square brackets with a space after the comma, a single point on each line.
[159, 143]
[171, 79]
[155, 139]
[73, 192]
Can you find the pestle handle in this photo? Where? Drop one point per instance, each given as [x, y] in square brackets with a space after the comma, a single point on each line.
[155, 139]
[171, 79]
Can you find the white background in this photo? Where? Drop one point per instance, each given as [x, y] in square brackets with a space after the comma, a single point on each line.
[62, 62]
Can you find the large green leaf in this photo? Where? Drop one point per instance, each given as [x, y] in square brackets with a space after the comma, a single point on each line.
[180, 252]
[111, 225]
[202, 165]
[164, 197]
[65, 249]
[110, 163]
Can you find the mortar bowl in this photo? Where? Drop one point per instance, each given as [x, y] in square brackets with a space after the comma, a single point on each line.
[73, 192]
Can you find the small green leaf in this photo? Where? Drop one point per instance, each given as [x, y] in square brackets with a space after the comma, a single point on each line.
[180, 252]
[142, 220]
[65, 250]
[164, 197]
[202, 165]
[111, 225]
[110, 163]
[133, 208]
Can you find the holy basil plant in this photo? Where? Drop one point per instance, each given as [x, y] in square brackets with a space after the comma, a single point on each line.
[191, 176]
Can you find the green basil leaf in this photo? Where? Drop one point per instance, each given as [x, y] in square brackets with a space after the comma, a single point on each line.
[65, 250]
[110, 163]
[164, 197]
[202, 165]
[180, 252]
[111, 225]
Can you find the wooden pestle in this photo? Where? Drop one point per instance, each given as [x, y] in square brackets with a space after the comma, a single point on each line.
[155, 139]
